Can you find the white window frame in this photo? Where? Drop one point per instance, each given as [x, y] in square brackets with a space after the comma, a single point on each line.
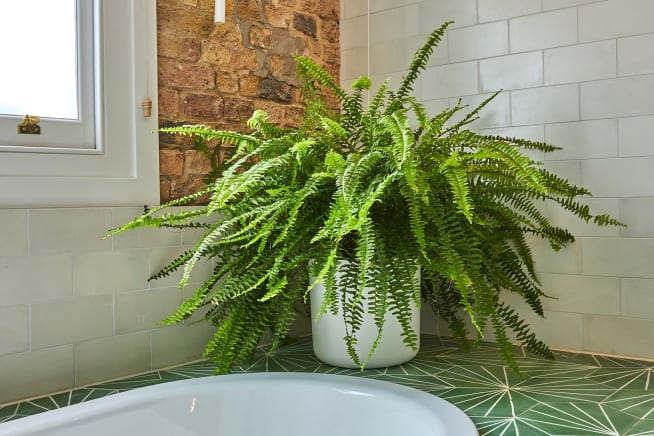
[123, 168]
[65, 135]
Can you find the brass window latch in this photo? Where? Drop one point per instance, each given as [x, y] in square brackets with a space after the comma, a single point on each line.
[30, 126]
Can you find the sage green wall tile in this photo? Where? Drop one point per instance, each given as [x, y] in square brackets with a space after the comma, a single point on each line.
[14, 329]
[34, 279]
[142, 310]
[179, 344]
[36, 373]
[68, 230]
[106, 273]
[108, 358]
[13, 232]
[72, 320]
[619, 335]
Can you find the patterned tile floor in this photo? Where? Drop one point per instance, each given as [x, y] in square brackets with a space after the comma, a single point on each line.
[578, 394]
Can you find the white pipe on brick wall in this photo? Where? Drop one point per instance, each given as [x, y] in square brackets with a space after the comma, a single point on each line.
[219, 12]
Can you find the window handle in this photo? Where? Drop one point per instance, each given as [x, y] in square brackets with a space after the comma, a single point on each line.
[30, 125]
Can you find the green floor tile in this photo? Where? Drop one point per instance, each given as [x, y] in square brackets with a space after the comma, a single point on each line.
[578, 394]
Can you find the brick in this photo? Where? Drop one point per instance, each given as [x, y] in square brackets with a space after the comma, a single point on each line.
[238, 109]
[273, 89]
[216, 53]
[305, 24]
[188, 185]
[260, 37]
[167, 44]
[293, 116]
[249, 85]
[249, 9]
[177, 74]
[203, 106]
[212, 73]
[278, 16]
[243, 58]
[199, 22]
[285, 44]
[171, 162]
[329, 31]
[226, 82]
[196, 162]
[168, 102]
[283, 67]
[164, 190]
[190, 49]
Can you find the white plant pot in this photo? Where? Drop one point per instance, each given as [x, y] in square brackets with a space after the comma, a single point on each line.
[328, 334]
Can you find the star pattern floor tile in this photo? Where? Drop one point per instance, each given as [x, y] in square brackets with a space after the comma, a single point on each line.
[576, 395]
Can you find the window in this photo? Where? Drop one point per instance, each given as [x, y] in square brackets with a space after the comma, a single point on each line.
[83, 67]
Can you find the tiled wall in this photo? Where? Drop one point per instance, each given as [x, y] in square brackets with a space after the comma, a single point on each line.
[576, 73]
[75, 309]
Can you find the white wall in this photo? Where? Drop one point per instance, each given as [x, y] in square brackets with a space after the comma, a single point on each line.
[575, 73]
[75, 309]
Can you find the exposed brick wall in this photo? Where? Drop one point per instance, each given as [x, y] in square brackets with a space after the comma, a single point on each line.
[218, 74]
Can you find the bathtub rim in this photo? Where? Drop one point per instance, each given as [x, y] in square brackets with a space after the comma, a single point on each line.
[451, 416]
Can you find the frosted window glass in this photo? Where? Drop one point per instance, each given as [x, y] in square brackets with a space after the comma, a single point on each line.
[38, 58]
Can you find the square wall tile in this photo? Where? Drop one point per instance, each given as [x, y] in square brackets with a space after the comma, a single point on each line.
[161, 257]
[354, 8]
[552, 104]
[73, 320]
[619, 177]
[567, 260]
[580, 63]
[354, 32]
[495, 114]
[180, 344]
[618, 257]
[613, 98]
[545, 30]
[530, 133]
[56, 231]
[636, 55]
[480, 41]
[559, 4]
[638, 298]
[614, 19]
[561, 330]
[13, 232]
[580, 228]
[636, 136]
[107, 273]
[450, 80]
[619, 335]
[583, 140]
[109, 358]
[34, 279]
[37, 373]
[143, 310]
[354, 64]
[581, 294]
[637, 213]
[433, 13]
[144, 237]
[393, 24]
[396, 55]
[383, 5]
[14, 329]
[524, 70]
[492, 10]
[568, 169]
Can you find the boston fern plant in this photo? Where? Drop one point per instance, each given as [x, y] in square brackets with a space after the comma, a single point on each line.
[372, 192]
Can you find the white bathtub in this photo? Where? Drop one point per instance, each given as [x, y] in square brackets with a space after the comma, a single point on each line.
[270, 404]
